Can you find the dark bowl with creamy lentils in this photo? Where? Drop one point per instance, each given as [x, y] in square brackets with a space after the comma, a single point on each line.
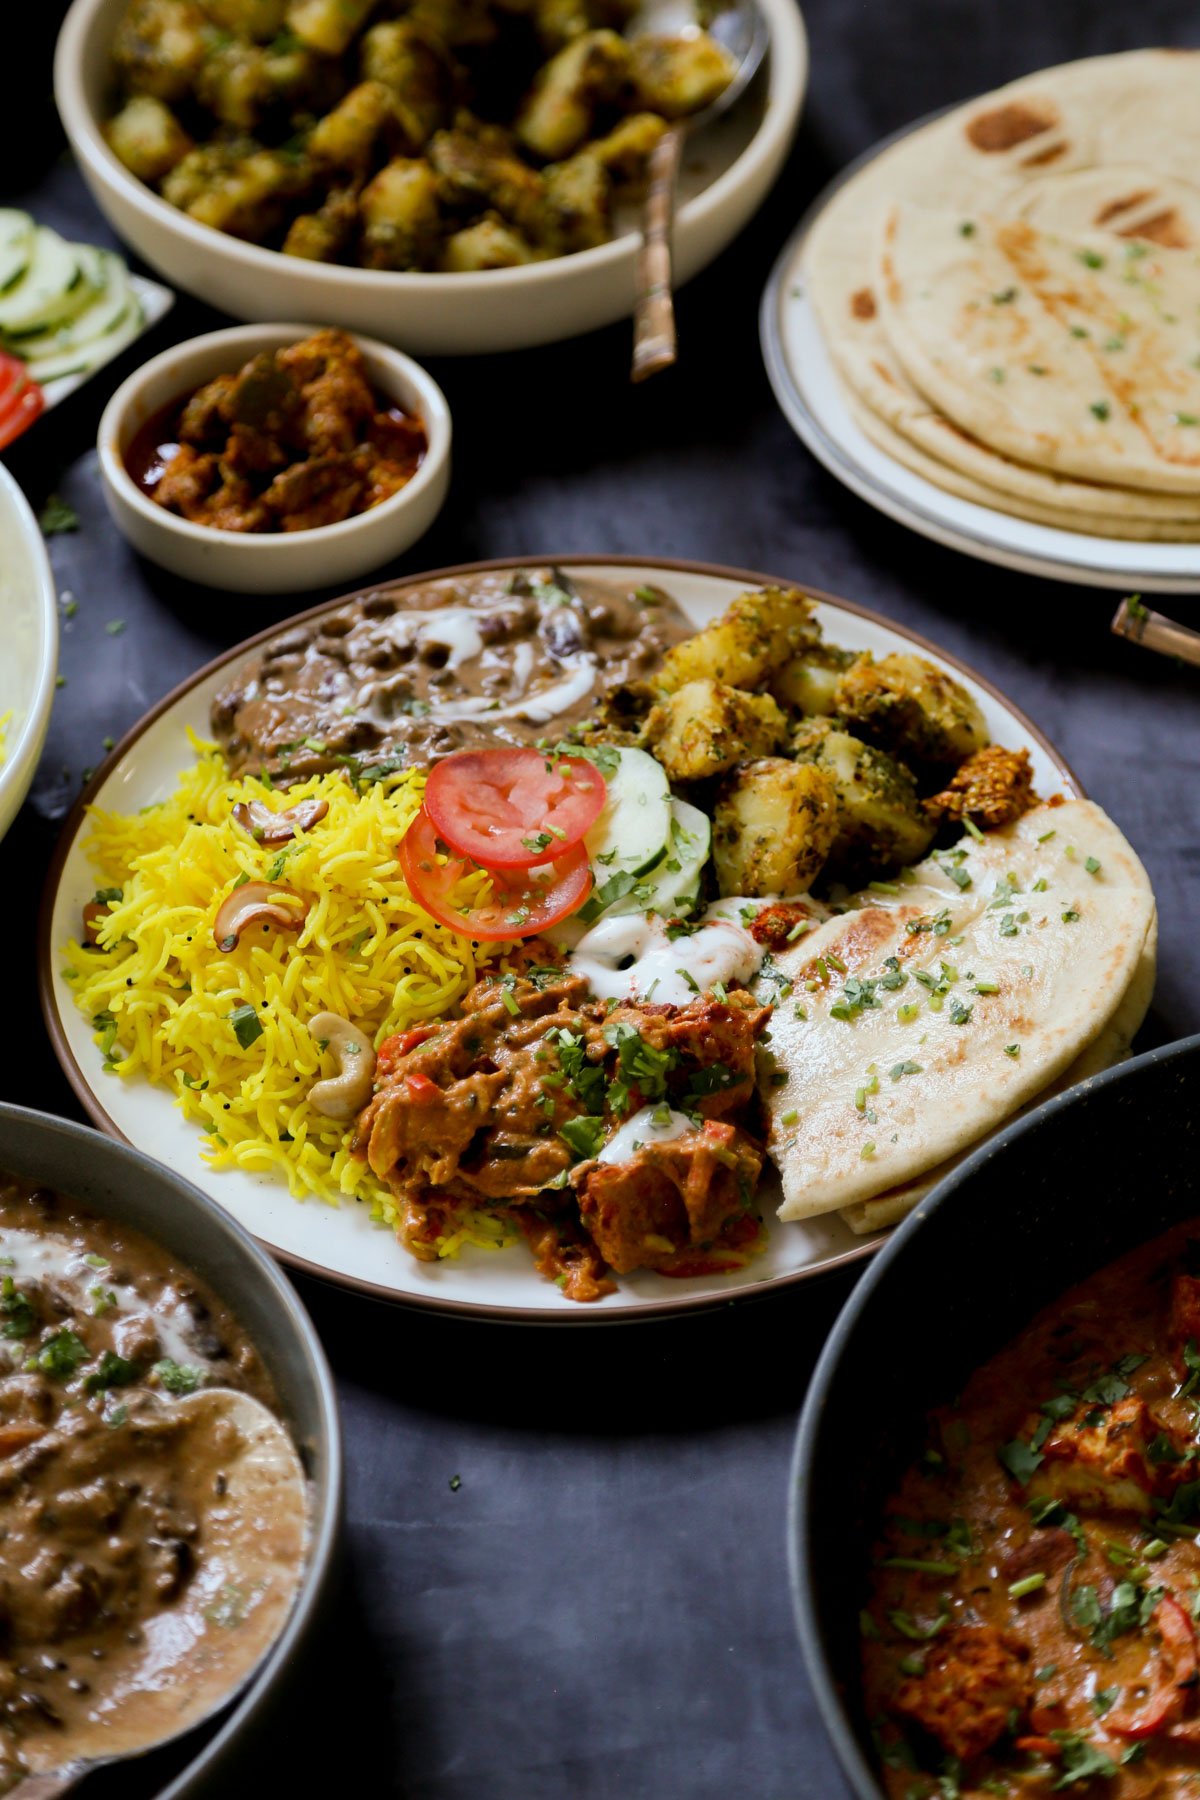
[124, 1292]
[994, 1521]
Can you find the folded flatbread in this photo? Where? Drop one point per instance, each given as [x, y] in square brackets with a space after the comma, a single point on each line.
[1110, 145]
[919, 1023]
[1113, 1045]
[1077, 354]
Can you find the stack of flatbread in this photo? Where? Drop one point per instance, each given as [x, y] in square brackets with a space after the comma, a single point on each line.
[1003, 971]
[1012, 297]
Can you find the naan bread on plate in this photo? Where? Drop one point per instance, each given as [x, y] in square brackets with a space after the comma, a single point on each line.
[1113, 1045]
[1111, 145]
[954, 481]
[918, 1023]
[1077, 355]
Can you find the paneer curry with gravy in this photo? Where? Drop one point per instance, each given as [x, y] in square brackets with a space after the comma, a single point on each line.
[1034, 1606]
[295, 439]
[111, 1501]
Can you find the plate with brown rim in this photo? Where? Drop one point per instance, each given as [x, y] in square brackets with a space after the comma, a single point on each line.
[340, 1244]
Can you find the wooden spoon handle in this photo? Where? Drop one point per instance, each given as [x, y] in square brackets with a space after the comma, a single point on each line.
[654, 316]
[1156, 631]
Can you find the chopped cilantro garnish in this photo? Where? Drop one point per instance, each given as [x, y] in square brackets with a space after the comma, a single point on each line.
[16, 1309]
[61, 1355]
[247, 1026]
[585, 1135]
[178, 1378]
[111, 1371]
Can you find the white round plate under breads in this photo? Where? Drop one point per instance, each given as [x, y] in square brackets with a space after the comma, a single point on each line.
[813, 400]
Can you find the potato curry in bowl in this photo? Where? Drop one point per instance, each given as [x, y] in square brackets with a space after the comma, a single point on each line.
[438, 137]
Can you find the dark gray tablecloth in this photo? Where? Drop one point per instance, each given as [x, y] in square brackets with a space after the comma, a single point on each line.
[600, 1609]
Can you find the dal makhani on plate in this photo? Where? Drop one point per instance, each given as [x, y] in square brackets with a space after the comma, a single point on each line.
[513, 907]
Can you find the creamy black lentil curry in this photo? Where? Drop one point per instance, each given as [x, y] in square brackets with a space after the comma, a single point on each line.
[404, 675]
[110, 1500]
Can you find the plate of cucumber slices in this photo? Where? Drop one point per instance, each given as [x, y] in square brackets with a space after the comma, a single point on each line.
[65, 310]
[655, 859]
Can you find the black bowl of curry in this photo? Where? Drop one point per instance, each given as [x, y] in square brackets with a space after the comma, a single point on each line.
[995, 1509]
[169, 1469]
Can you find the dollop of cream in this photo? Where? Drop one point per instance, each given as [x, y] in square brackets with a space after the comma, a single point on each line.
[645, 1127]
[631, 957]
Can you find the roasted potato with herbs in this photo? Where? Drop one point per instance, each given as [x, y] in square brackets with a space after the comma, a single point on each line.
[527, 158]
[808, 682]
[400, 215]
[880, 821]
[557, 113]
[773, 827]
[160, 48]
[912, 708]
[148, 138]
[757, 633]
[327, 25]
[676, 76]
[705, 727]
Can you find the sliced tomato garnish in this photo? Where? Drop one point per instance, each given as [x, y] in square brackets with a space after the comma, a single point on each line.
[14, 376]
[513, 808]
[522, 903]
[21, 414]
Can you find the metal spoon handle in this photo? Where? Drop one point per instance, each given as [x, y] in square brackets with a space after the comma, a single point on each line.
[654, 316]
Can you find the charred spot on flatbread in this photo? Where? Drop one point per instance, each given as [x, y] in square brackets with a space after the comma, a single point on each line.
[1165, 228]
[1040, 158]
[1004, 127]
[1114, 207]
[862, 304]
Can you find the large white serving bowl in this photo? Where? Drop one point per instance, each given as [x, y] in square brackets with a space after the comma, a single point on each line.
[728, 172]
[28, 646]
[287, 562]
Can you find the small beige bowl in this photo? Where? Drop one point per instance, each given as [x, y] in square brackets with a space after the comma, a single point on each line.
[277, 562]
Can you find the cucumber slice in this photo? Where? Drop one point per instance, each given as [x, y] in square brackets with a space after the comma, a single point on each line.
[672, 887]
[16, 246]
[108, 310]
[83, 358]
[54, 287]
[633, 831]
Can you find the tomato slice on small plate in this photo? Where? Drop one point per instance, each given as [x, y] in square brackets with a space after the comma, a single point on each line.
[513, 808]
[17, 417]
[522, 902]
[14, 376]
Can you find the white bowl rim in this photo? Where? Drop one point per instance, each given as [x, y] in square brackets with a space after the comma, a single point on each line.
[37, 712]
[435, 417]
[786, 67]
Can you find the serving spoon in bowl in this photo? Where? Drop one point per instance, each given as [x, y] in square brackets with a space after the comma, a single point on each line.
[740, 28]
[190, 1659]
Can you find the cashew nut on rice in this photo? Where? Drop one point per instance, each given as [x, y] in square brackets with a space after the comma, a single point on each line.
[346, 1093]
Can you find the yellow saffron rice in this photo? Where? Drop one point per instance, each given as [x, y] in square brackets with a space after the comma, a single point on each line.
[161, 994]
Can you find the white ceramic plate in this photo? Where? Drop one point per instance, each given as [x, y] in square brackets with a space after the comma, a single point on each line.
[726, 176]
[28, 645]
[341, 1243]
[807, 387]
